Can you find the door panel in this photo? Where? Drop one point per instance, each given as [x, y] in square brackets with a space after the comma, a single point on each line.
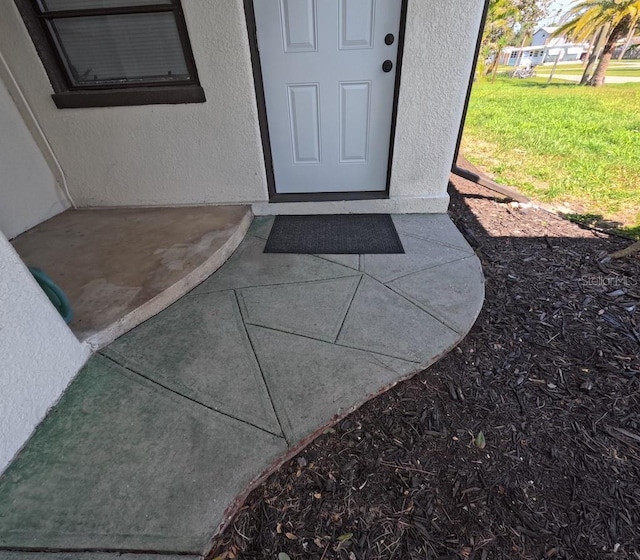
[356, 24]
[305, 123]
[354, 121]
[329, 103]
[299, 25]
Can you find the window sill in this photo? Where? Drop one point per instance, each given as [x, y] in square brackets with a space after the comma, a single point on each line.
[129, 96]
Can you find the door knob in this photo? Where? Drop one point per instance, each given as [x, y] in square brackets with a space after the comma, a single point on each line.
[387, 66]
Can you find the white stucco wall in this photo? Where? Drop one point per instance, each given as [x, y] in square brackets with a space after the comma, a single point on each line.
[157, 154]
[29, 193]
[38, 353]
[438, 55]
[211, 152]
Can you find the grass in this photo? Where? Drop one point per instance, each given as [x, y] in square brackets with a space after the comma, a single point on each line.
[563, 144]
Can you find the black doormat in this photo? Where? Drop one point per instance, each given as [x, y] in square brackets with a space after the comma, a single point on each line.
[334, 234]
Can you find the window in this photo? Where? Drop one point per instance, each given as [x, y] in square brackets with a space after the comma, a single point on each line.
[114, 52]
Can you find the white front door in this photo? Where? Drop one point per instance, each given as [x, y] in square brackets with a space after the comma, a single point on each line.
[329, 91]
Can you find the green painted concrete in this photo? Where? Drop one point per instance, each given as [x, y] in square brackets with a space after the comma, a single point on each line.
[122, 464]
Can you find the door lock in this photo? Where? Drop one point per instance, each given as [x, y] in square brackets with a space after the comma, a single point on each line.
[389, 39]
[387, 66]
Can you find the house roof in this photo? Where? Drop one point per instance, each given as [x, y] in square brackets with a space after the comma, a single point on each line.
[548, 29]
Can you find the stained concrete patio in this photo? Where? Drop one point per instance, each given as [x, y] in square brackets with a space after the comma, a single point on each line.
[120, 266]
[168, 427]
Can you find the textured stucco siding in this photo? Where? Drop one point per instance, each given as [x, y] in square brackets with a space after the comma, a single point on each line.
[211, 152]
[38, 353]
[158, 154]
[29, 193]
[438, 56]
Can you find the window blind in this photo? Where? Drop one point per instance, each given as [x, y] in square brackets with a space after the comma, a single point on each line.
[47, 5]
[120, 48]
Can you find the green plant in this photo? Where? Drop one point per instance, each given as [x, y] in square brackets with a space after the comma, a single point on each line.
[561, 144]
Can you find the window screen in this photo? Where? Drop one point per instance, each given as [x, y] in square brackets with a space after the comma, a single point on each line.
[113, 43]
[120, 48]
[57, 5]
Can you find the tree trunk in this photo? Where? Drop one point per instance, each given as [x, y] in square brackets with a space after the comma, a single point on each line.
[632, 32]
[598, 44]
[494, 70]
[592, 42]
[489, 69]
[601, 71]
[519, 58]
[553, 70]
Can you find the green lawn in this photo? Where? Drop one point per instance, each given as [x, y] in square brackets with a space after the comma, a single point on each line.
[565, 144]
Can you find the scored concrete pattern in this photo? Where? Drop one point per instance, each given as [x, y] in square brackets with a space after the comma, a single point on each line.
[363, 328]
[311, 381]
[326, 304]
[157, 436]
[199, 348]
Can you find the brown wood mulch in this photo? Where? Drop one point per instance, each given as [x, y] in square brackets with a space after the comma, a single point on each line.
[550, 374]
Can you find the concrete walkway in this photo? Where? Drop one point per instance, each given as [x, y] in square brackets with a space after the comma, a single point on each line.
[165, 430]
[607, 80]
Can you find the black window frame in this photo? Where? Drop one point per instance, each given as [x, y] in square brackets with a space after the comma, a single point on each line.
[68, 95]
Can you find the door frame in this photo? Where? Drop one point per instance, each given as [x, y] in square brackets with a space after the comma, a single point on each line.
[264, 124]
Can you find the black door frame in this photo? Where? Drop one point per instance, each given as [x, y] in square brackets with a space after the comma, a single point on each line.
[264, 125]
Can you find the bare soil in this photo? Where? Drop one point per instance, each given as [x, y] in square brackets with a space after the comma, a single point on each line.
[550, 374]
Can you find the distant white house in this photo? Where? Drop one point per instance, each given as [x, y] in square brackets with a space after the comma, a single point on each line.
[544, 48]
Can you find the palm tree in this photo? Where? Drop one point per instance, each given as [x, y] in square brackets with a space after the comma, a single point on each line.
[587, 16]
[501, 16]
[633, 27]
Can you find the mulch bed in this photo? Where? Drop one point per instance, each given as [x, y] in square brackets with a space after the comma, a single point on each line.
[550, 374]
